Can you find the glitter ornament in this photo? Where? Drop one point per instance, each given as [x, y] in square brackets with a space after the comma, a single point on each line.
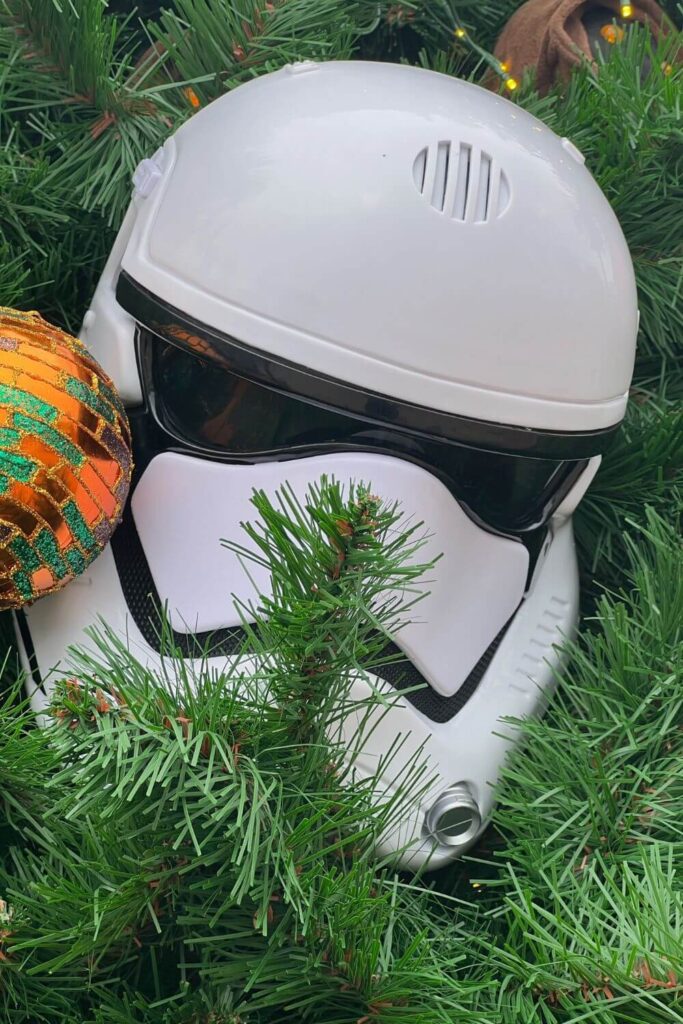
[65, 458]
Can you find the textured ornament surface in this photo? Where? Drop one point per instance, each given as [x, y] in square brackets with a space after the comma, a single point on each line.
[65, 458]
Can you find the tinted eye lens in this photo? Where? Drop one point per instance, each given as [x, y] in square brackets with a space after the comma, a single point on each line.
[507, 492]
[200, 399]
[211, 407]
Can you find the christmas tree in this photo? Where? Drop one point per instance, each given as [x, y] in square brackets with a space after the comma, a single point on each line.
[176, 853]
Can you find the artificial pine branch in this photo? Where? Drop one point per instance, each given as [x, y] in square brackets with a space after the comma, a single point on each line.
[586, 913]
[647, 455]
[219, 44]
[51, 251]
[80, 92]
[201, 832]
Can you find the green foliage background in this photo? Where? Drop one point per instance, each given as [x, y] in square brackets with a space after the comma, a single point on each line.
[572, 909]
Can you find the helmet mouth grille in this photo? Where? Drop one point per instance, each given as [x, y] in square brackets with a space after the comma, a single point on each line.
[461, 181]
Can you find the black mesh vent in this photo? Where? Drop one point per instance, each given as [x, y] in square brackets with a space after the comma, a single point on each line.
[402, 675]
[145, 607]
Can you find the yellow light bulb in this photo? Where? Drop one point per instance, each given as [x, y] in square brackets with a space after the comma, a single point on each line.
[511, 84]
[460, 32]
[626, 10]
[505, 65]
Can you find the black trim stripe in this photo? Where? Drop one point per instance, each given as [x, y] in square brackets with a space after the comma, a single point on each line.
[27, 641]
[167, 322]
[145, 607]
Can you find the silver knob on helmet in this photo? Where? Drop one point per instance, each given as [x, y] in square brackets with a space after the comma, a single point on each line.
[454, 818]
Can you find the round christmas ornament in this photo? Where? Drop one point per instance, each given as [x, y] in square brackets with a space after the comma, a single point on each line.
[554, 36]
[65, 458]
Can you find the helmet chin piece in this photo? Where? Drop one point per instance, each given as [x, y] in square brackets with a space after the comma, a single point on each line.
[393, 276]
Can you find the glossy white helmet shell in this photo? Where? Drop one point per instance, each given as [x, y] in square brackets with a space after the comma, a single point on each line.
[398, 230]
[420, 238]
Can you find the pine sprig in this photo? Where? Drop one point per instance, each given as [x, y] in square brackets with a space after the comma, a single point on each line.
[648, 455]
[202, 832]
[316, 559]
[585, 912]
[88, 101]
[217, 44]
[51, 251]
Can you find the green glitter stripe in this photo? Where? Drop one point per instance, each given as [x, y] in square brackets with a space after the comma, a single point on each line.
[77, 389]
[76, 561]
[46, 546]
[28, 402]
[79, 527]
[18, 467]
[11, 313]
[51, 437]
[25, 553]
[23, 584]
[4, 483]
[9, 438]
[16, 314]
[111, 397]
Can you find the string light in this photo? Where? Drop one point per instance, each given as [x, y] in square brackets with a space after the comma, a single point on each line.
[626, 10]
[501, 68]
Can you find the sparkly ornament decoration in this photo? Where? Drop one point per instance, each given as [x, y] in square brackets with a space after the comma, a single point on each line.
[65, 458]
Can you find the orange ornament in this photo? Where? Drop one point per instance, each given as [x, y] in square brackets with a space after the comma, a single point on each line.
[65, 458]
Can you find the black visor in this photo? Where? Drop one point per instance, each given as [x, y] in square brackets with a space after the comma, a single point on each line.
[214, 395]
[208, 407]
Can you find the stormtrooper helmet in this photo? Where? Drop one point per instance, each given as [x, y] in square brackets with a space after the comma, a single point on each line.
[387, 275]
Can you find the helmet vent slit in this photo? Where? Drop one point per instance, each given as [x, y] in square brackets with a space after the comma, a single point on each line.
[443, 153]
[461, 181]
[419, 169]
[483, 191]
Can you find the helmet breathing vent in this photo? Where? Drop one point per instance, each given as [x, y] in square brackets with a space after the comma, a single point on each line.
[462, 182]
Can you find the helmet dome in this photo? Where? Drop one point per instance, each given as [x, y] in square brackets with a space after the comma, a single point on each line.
[402, 232]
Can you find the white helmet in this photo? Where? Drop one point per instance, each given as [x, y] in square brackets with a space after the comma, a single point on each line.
[385, 274]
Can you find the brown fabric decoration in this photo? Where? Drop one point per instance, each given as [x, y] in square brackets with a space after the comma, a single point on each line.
[550, 36]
